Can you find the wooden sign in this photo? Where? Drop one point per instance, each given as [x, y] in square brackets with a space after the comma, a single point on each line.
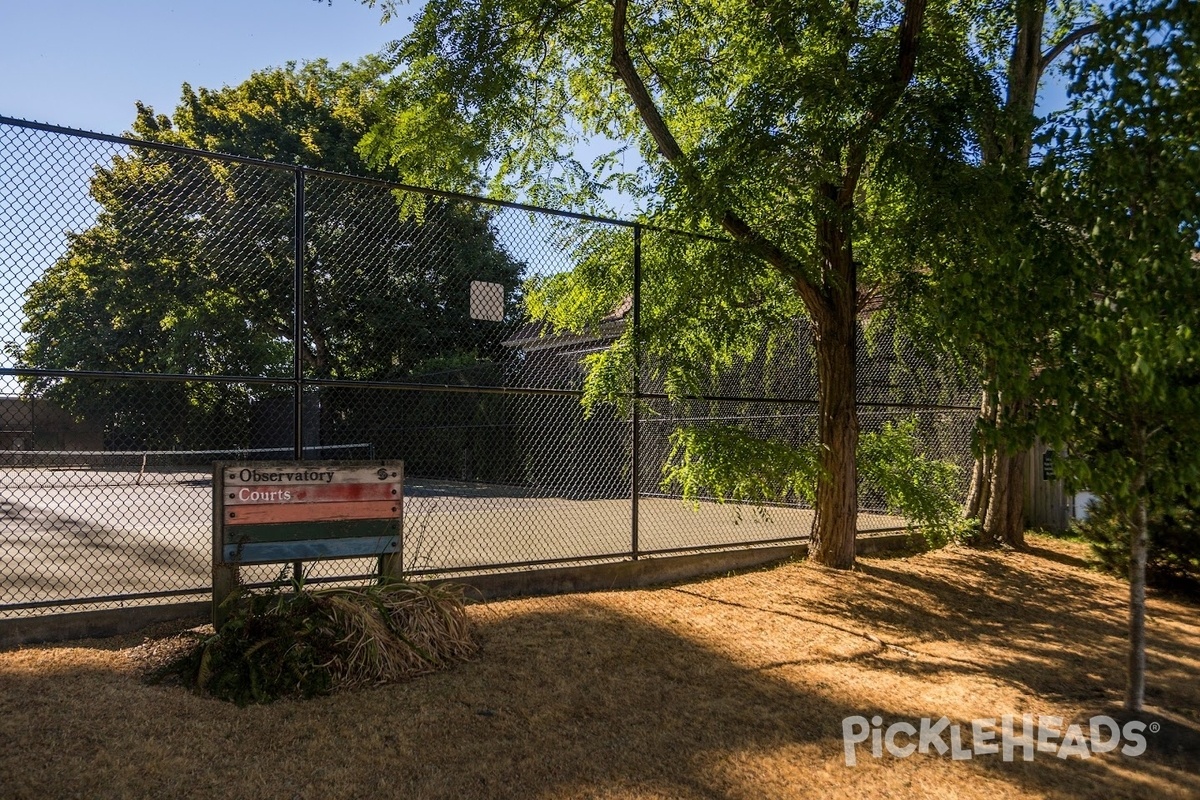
[273, 512]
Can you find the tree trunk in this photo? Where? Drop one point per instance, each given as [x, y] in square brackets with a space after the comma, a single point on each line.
[980, 469]
[837, 488]
[979, 496]
[1013, 533]
[1135, 690]
[1024, 75]
[997, 494]
[1003, 520]
[997, 497]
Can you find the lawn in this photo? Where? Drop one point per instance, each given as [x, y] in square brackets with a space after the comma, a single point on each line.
[730, 687]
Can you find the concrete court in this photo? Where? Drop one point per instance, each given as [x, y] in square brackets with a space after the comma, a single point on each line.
[80, 534]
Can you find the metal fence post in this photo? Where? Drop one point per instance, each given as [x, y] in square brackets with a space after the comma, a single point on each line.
[298, 338]
[298, 320]
[637, 384]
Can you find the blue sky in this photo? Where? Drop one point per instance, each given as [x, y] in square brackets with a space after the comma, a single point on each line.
[83, 63]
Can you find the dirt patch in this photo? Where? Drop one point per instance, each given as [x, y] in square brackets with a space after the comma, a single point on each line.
[733, 687]
[154, 659]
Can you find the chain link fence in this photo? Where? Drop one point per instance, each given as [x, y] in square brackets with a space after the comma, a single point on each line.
[166, 308]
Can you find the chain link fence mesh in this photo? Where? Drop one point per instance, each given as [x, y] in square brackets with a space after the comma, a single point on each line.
[149, 328]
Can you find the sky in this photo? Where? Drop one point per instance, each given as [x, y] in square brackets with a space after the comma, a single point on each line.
[84, 63]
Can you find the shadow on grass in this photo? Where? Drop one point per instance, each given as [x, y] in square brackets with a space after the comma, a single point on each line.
[1065, 638]
[568, 697]
[1057, 557]
[1064, 628]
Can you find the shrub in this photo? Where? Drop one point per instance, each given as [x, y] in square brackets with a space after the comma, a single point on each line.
[731, 464]
[305, 643]
[1173, 561]
[921, 489]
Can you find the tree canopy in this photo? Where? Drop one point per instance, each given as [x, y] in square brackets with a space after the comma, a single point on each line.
[805, 133]
[189, 268]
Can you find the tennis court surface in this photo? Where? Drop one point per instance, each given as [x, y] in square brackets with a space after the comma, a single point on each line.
[97, 535]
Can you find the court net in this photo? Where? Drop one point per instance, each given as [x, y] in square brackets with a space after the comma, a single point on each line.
[67, 468]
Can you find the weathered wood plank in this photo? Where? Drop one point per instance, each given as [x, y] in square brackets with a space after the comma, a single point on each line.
[314, 549]
[299, 531]
[310, 493]
[311, 512]
[316, 472]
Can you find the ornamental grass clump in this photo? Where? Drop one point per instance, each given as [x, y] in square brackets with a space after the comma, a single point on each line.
[306, 643]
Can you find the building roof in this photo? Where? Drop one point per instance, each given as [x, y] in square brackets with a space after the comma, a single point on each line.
[540, 335]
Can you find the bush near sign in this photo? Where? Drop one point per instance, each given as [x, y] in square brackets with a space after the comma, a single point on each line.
[275, 512]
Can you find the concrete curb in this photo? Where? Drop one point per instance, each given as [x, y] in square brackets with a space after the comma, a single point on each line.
[493, 586]
[651, 571]
[94, 624]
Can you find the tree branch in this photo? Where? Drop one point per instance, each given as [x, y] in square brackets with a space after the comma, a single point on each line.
[1068, 40]
[642, 100]
[738, 228]
[886, 99]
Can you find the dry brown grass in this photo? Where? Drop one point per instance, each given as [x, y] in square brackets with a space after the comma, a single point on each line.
[733, 687]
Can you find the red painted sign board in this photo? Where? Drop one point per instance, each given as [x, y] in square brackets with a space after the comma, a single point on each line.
[311, 512]
[329, 493]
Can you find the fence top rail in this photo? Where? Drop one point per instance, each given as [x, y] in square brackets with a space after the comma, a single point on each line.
[224, 451]
[172, 377]
[127, 141]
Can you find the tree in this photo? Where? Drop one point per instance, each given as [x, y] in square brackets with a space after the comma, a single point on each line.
[1006, 138]
[793, 129]
[1123, 393]
[1073, 282]
[189, 268]
[995, 275]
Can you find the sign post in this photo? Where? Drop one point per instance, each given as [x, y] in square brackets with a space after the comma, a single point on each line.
[275, 512]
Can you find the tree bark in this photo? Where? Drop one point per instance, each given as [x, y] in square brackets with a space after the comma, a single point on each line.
[1024, 75]
[1003, 519]
[997, 494]
[979, 495]
[1013, 531]
[1135, 688]
[835, 527]
[1135, 691]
